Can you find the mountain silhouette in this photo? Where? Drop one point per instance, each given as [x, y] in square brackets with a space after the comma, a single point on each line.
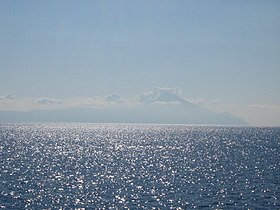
[155, 107]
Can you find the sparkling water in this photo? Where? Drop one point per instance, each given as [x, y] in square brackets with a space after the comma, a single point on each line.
[135, 166]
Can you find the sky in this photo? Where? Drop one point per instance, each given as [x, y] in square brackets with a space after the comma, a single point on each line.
[223, 55]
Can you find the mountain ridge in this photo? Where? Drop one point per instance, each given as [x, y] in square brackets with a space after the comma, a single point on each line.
[165, 115]
[161, 105]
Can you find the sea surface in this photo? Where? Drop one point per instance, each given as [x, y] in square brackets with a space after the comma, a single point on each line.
[138, 166]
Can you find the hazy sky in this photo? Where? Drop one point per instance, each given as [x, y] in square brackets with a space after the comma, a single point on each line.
[224, 55]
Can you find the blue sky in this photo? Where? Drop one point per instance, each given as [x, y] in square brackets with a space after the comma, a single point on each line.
[222, 51]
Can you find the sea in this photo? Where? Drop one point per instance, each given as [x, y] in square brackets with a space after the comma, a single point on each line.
[138, 166]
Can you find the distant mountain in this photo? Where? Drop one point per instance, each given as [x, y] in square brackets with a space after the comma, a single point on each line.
[168, 115]
[158, 106]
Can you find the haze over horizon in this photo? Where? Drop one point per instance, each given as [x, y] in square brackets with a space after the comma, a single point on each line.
[221, 55]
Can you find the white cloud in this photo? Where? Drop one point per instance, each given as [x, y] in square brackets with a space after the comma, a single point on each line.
[89, 102]
[264, 106]
[162, 96]
[113, 98]
[48, 101]
[203, 101]
[93, 102]
[157, 96]
[7, 97]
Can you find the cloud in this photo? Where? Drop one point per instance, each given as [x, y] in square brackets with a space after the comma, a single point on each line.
[48, 101]
[157, 96]
[203, 101]
[93, 102]
[162, 96]
[264, 106]
[113, 98]
[89, 102]
[7, 97]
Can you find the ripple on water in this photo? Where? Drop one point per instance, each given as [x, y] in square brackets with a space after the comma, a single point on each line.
[138, 166]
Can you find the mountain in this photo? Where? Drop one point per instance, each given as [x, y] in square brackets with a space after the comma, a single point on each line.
[158, 106]
[150, 114]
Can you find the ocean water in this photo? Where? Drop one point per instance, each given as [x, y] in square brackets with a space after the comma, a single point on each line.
[132, 166]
